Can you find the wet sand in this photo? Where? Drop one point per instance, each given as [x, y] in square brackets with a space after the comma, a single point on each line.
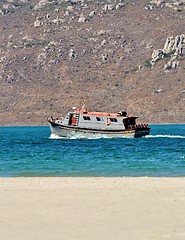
[92, 208]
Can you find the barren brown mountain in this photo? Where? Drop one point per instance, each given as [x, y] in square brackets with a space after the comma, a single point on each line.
[55, 53]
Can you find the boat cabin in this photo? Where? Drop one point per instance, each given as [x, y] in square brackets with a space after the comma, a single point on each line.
[97, 120]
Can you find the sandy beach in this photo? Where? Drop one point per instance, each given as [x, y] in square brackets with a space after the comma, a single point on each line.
[92, 208]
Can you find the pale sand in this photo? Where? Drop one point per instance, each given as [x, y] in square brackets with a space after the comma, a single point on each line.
[92, 208]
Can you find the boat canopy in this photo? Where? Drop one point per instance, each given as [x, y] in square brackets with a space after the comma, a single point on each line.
[107, 114]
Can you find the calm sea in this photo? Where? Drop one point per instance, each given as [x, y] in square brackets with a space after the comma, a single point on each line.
[31, 151]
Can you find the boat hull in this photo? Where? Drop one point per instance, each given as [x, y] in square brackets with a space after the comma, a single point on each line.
[76, 132]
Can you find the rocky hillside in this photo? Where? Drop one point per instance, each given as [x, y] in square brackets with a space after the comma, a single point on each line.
[116, 54]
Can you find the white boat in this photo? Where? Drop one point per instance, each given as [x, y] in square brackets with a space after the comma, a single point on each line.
[81, 123]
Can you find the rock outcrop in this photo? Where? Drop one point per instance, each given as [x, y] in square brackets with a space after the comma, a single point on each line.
[172, 4]
[172, 51]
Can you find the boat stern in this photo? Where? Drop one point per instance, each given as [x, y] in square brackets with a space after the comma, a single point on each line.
[142, 130]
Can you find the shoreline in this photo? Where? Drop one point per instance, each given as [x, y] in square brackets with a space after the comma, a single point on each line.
[135, 208]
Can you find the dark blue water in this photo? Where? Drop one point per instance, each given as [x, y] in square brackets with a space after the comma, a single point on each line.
[29, 151]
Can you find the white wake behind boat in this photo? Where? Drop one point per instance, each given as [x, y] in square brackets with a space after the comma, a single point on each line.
[81, 123]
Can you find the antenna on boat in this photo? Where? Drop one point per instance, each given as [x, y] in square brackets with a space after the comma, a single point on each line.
[83, 104]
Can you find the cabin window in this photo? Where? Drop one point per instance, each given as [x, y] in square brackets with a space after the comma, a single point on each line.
[98, 118]
[129, 122]
[132, 121]
[86, 118]
[113, 119]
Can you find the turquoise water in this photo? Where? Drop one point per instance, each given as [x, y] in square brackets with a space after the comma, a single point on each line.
[30, 151]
